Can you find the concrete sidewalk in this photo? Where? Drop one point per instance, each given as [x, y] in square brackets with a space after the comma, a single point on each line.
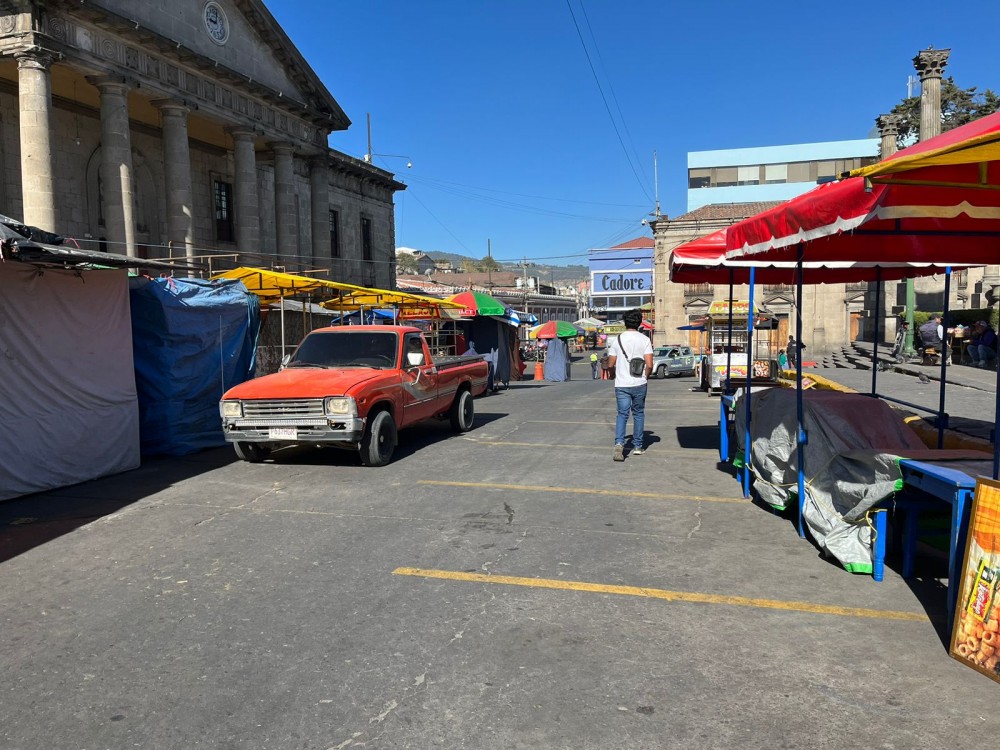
[970, 394]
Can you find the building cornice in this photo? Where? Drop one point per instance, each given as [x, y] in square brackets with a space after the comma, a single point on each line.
[102, 42]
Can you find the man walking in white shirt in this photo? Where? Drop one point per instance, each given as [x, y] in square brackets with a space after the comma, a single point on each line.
[631, 354]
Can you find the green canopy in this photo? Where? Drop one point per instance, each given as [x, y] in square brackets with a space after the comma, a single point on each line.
[477, 303]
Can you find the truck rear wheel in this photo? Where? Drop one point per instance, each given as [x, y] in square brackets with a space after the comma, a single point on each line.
[379, 440]
[252, 452]
[462, 412]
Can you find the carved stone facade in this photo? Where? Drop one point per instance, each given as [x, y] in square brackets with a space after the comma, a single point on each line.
[188, 128]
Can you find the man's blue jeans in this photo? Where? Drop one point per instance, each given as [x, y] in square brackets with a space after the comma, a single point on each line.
[980, 353]
[630, 399]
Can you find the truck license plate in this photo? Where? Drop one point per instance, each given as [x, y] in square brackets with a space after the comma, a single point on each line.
[283, 433]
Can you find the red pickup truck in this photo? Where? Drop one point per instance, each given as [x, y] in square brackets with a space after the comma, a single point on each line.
[352, 387]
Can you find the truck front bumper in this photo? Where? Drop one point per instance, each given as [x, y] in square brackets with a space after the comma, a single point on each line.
[328, 430]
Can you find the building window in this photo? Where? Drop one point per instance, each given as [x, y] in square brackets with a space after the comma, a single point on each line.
[366, 238]
[699, 178]
[799, 172]
[775, 173]
[748, 175]
[334, 234]
[725, 176]
[826, 169]
[224, 211]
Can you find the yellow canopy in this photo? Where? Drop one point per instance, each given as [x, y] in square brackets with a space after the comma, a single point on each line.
[982, 148]
[389, 298]
[273, 285]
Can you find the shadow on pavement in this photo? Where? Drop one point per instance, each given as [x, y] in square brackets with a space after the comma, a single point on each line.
[29, 521]
[699, 437]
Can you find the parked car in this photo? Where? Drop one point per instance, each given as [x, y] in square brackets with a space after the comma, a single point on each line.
[675, 360]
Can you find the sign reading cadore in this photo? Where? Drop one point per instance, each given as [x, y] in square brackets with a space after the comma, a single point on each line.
[637, 282]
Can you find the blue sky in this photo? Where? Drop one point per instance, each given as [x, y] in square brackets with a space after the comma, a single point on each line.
[510, 136]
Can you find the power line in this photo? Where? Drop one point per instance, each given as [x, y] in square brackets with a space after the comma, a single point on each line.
[462, 244]
[614, 97]
[607, 107]
[512, 205]
[525, 195]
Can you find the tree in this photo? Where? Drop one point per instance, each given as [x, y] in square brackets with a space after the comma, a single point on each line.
[958, 106]
[407, 263]
[469, 265]
[489, 264]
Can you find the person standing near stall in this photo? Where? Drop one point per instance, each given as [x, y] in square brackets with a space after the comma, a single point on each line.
[631, 356]
[593, 365]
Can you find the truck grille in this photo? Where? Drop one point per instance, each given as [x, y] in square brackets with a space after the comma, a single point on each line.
[312, 408]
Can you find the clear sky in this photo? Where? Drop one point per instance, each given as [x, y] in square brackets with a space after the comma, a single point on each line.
[497, 105]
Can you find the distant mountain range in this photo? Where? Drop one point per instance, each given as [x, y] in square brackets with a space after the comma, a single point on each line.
[545, 273]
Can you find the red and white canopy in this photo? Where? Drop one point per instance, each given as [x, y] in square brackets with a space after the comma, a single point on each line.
[937, 202]
[704, 261]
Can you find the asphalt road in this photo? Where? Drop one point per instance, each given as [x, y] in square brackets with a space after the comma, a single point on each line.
[509, 588]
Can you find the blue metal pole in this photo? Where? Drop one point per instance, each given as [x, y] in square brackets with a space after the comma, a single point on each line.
[945, 354]
[878, 318]
[746, 446]
[801, 438]
[729, 345]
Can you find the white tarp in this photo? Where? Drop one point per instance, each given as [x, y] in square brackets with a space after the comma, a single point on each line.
[68, 409]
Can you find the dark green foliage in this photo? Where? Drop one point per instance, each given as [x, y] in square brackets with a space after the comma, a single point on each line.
[958, 107]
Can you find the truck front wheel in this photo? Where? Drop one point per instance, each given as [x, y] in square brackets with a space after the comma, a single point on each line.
[379, 440]
[463, 412]
[252, 452]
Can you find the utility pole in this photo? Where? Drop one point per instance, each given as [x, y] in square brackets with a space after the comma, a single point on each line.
[489, 265]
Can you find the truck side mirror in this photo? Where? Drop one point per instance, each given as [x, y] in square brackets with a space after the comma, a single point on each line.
[285, 360]
[414, 359]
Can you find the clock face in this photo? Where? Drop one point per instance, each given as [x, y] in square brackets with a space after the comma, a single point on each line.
[216, 23]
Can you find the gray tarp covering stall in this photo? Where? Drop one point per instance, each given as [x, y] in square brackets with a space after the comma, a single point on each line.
[557, 361]
[69, 409]
[851, 462]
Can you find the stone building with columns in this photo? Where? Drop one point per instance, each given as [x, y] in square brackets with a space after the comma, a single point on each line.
[184, 129]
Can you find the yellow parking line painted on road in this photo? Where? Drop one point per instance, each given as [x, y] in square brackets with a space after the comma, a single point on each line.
[604, 404]
[689, 452]
[670, 596]
[582, 491]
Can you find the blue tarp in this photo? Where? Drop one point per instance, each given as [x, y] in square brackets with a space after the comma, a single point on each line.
[191, 340]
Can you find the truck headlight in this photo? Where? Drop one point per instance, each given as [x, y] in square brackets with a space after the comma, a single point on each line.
[340, 406]
[231, 408]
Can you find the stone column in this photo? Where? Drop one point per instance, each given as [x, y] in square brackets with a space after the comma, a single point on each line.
[34, 85]
[286, 232]
[177, 176]
[888, 129]
[930, 65]
[319, 183]
[245, 189]
[116, 167]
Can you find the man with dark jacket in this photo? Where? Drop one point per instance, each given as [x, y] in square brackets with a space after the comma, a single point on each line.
[983, 346]
[932, 335]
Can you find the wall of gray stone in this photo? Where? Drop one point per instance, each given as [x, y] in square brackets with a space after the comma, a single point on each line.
[245, 50]
[76, 168]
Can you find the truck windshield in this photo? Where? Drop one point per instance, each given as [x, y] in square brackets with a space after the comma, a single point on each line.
[346, 349]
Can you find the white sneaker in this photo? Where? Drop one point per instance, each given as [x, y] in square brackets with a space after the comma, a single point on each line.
[619, 453]
[637, 451]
